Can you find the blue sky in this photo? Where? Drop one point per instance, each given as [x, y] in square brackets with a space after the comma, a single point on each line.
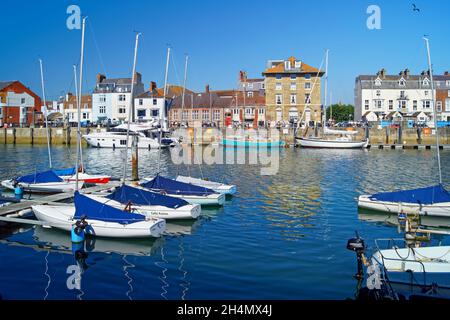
[221, 38]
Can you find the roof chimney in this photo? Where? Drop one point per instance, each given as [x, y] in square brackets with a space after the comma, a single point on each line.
[100, 77]
[137, 77]
[152, 87]
[446, 73]
[68, 96]
[407, 72]
[207, 88]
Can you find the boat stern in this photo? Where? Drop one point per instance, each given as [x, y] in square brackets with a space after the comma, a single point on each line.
[158, 227]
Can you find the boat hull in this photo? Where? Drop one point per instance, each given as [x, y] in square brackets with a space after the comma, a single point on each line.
[331, 144]
[215, 186]
[191, 211]
[61, 217]
[119, 141]
[438, 210]
[252, 144]
[88, 178]
[50, 187]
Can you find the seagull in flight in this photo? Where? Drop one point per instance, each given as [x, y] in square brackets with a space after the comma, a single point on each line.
[415, 8]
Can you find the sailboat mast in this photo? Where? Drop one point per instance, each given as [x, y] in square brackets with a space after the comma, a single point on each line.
[76, 95]
[130, 107]
[46, 116]
[79, 103]
[164, 108]
[184, 85]
[434, 109]
[326, 93]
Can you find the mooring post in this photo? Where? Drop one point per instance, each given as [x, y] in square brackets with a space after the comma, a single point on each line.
[399, 136]
[14, 135]
[134, 159]
[32, 135]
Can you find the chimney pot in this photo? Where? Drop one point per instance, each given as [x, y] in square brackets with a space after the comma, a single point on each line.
[152, 86]
[207, 88]
[100, 77]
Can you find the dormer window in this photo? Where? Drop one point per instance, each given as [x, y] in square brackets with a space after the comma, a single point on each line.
[402, 82]
[287, 65]
[426, 82]
[378, 82]
[298, 64]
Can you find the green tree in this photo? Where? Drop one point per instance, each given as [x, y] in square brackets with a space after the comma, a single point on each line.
[341, 112]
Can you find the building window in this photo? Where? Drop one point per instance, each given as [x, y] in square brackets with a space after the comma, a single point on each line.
[141, 102]
[250, 94]
[425, 82]
[402, 82]
[426, 104]
[102, 109]
[379, 104]
[22, 101]
[447, 104]
[298, 64]
[278, 98]
[307, 76]
[248, 111]
[414, 105]
[448, 93]
[185, 115]
[263, 85]
[439, 106]
[155, 113]
[402, 104]
[378, 93]
[175, 114]
[141, 113]
[261, 111]
[293, 76]
[205, 115]
[287, 65]
[391, 104]
[293, 86]
[102, 98]
[278, 76]
[216, 114]
[447, 83]
[308, 85]
[155, 102]
[122, 110]
[250, 85]
[426, 92]
[307, 98]
[122, 97]
[366, 104]
[278, 86]
[294, 98]
[402, 94]
[236, 111]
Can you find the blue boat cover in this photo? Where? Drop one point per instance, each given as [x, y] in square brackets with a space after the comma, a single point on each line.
[428, 195]
[126, 194]
[66, 172]
[40, 177]
[99, 211]
[171, 186]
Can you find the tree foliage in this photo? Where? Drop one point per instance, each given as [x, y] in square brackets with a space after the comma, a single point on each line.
[341, 112]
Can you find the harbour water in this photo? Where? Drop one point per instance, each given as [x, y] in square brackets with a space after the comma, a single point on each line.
[281, 237]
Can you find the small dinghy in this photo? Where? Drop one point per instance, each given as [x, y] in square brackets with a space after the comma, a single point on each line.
[103, 220]
[186, 191]
[41, 182]
[215, 186]
[150, 204]
[431, 201]
[70, 175]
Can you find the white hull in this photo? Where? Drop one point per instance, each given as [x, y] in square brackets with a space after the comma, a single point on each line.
[216, 199]
[50, 187]
[119, 141]
[331, 144]
[437, 209]
[186, 212]
[61, 217]
[215, 186]
[424, 259]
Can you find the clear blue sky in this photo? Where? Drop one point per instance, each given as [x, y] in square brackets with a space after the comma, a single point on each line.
[221, 38]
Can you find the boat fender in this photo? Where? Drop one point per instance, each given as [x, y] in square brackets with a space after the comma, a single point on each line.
[78, 230]
[18, 191]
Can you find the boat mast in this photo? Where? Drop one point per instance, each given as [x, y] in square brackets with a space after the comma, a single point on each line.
[46, 115]
[325, 89]
[434, 109]
[79, 104]
[331, 106]
[164, 108]
[130, 107]
[76, 95]
[184, 85]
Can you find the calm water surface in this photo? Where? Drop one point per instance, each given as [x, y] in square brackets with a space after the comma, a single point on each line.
[280, 237]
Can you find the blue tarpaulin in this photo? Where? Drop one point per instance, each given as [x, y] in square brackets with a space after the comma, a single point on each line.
[65, 172]
[428, 195]
[171, 186]
[100, 211]
[40, 177]
[126, 194]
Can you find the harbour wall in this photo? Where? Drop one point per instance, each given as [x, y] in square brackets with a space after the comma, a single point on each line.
[31, 136]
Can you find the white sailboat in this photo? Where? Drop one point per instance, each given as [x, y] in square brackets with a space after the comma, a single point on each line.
[432, 201]
[333, 139]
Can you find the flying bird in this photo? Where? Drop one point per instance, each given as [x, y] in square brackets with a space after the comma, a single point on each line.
[415, 8]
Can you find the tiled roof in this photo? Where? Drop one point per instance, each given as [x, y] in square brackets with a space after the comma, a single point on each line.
[4, 84]
[173, 90]
[280, 68]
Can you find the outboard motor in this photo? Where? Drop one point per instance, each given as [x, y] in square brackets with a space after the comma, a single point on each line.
[358, 246]
[78, 231]
[18, 190]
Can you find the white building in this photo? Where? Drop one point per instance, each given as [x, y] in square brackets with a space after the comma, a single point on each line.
[378, 96]
[149, 106]
[111, 98]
